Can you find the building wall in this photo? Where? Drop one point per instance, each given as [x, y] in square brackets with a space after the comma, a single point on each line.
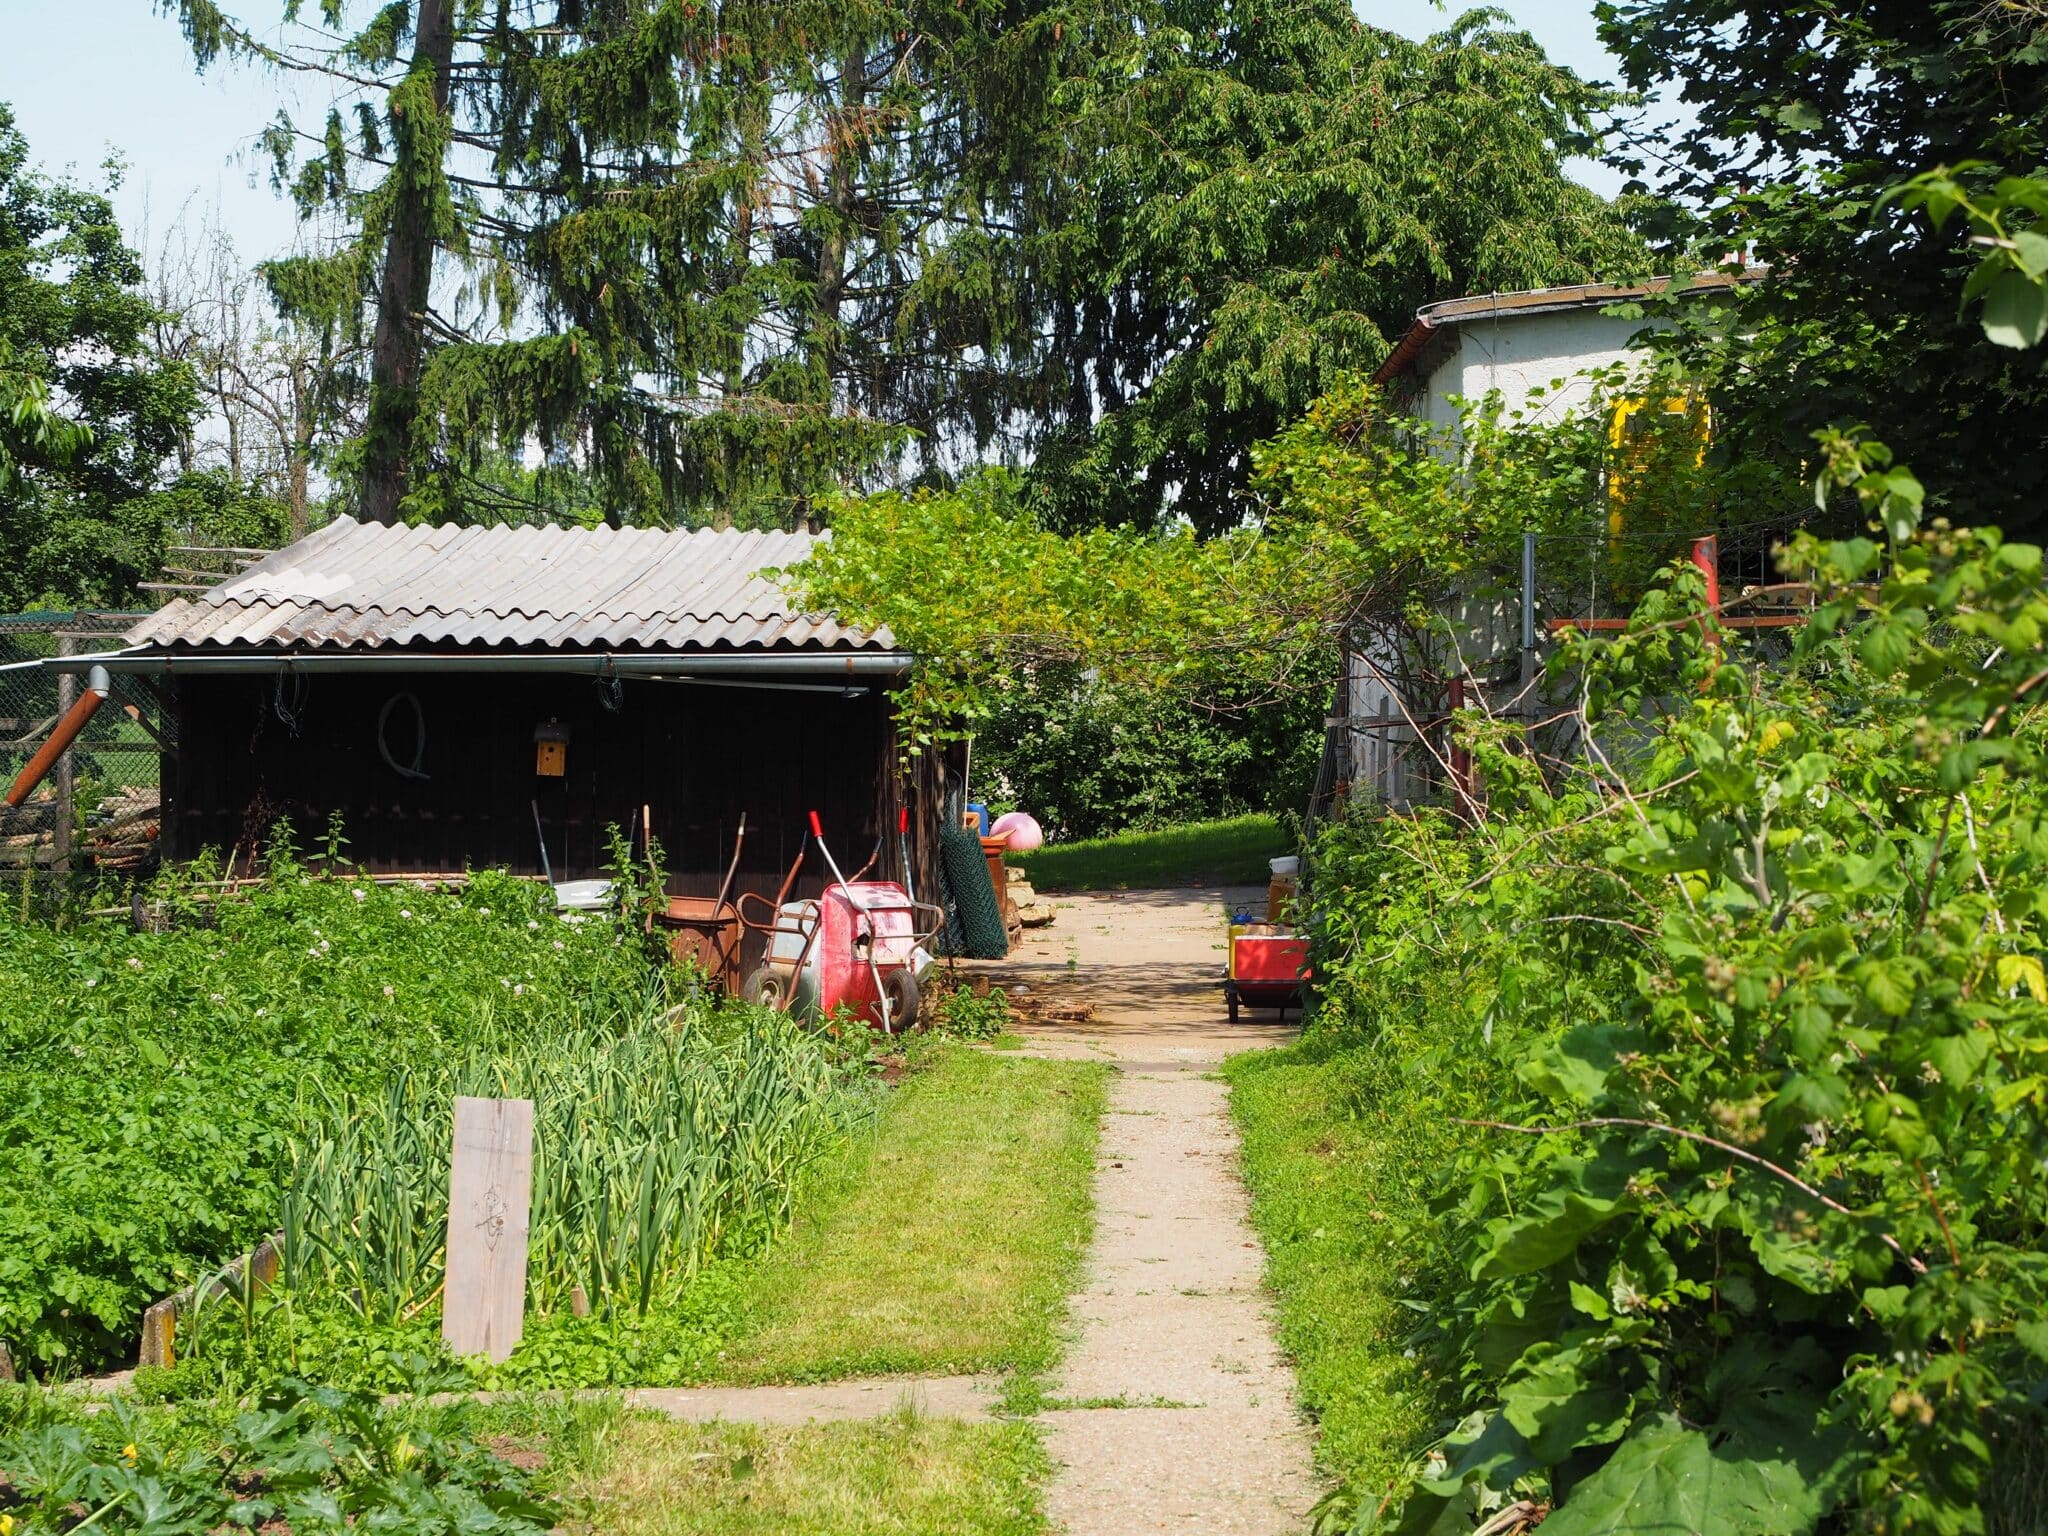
[697, 755]
[1521, 353]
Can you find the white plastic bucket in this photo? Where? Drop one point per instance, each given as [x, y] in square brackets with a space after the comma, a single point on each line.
[1291, 865]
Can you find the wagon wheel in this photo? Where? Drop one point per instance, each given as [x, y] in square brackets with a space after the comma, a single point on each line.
[767, 988]
[1230, 997]
[901, 990]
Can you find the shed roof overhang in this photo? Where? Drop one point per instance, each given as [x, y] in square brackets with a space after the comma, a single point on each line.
[822, 665]
[1432, 318]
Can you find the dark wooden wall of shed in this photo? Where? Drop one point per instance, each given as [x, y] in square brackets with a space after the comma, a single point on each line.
[698, 754]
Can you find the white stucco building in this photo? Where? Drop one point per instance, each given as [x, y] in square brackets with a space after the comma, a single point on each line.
[1540, 350]
[1550, 339]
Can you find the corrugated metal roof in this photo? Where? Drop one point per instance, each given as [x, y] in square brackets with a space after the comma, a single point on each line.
[362, 585]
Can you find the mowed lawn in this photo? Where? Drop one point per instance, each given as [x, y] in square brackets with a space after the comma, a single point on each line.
[947, 1240]
[899, 1476]
[1333, 1151]
[1232, 852]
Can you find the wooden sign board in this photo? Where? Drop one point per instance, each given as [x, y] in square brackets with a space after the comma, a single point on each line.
[490, 1196]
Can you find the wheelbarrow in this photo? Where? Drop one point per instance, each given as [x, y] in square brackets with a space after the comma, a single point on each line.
[705, 931]
[859, 948]
[1268, 968]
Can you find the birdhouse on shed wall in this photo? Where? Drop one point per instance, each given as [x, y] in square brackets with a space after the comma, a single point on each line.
[551, 750]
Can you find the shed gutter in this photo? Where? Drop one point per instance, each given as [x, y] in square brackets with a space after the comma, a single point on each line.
[600, 665]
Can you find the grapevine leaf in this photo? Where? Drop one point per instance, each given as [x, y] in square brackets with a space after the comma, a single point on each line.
[2016, 310]
[1666, 1478]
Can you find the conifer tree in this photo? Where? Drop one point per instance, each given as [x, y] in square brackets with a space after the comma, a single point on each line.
[720, 255]
[1273, 190]
[729, 254]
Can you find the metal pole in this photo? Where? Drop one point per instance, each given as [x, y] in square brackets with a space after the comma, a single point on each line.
[65, 780]
[1529, 624]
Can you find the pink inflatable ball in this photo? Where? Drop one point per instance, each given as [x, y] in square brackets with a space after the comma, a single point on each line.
[1021, 831]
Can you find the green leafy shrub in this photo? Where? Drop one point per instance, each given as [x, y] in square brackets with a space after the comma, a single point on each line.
[301, 1458]
[963, 1012]
[1089, 758]
[1735, 1039]
[152, 1083]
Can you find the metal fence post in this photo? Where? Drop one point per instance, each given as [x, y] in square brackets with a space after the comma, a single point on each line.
[1529, 625]
[65, 780]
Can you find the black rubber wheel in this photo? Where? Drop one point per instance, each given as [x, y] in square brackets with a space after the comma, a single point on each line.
[1230, 997]
[900, 988]
[767, 988]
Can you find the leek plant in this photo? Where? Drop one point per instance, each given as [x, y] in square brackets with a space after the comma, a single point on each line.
[655, 1148]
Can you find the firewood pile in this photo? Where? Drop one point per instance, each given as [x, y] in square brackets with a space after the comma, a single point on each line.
[120, 832]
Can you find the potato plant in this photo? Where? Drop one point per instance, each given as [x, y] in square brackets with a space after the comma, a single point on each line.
[300, 1458]
[152, 1084]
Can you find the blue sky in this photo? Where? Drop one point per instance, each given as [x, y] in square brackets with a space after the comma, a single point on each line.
[89, 76]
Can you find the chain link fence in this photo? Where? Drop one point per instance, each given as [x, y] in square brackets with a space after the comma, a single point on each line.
[98, 808]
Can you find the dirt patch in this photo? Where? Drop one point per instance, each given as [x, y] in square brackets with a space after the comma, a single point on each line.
[518, 1453]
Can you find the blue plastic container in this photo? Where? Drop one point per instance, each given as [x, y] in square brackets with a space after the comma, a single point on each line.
[980, 808]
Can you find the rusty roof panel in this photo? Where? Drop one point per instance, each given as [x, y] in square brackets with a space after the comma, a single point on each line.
[362, 585]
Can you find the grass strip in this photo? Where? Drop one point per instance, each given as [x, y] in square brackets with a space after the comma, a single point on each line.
[1232, 852]
[1330, 1162]
[905, 1475]
[947, 1240]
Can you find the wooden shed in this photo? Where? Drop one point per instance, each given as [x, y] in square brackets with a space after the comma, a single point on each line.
[462, 697]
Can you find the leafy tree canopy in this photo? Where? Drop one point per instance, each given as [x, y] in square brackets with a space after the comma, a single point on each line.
[1808, 115]
[87, 414]
[732, 256]
[1273, 190]
[1359, 526]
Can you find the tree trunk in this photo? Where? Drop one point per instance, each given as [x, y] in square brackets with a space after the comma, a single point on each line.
[404, 286]
[845, 131]
[299, 451]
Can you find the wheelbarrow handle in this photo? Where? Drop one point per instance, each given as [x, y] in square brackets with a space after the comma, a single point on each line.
[921, 936]
[759, 925]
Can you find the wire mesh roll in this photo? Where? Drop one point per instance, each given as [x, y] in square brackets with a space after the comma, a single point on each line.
[971, 898]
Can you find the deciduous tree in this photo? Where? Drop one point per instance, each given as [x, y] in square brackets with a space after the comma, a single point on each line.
[1807, 116]
[88, 416]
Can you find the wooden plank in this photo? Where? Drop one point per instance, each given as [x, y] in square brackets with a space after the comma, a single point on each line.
[490, 1194]
[251, 1275]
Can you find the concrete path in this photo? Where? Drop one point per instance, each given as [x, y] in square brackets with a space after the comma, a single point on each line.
[1172, 1324]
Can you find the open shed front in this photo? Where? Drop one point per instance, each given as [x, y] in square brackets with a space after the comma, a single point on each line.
[697, 755]
[459, 698]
